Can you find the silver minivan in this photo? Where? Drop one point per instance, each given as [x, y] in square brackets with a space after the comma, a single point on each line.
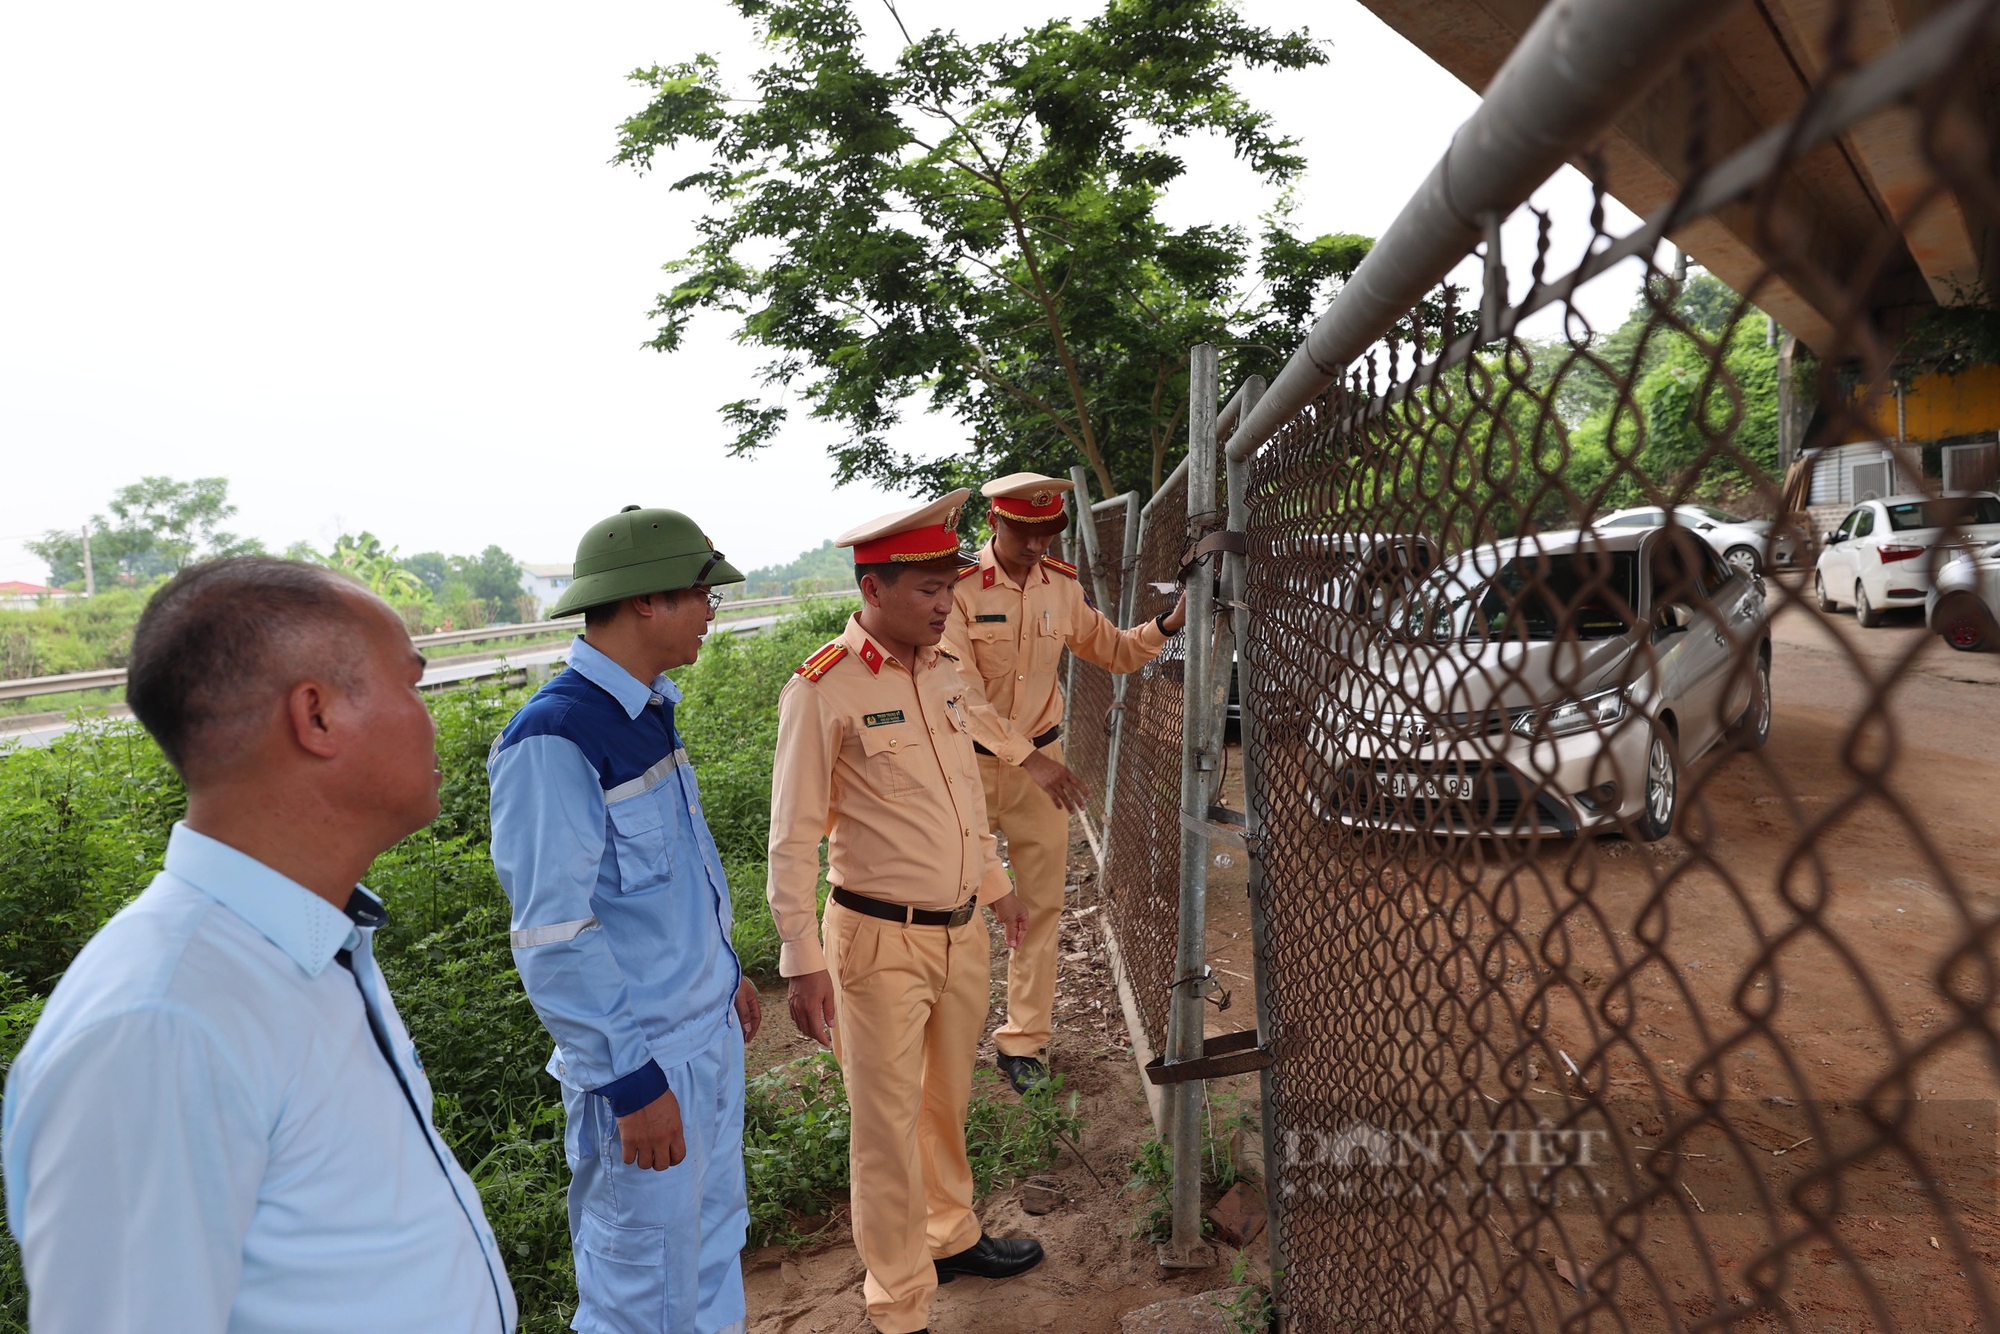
[1552, 685]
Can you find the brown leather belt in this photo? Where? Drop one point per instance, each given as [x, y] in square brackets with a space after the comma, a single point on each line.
[1053, 734]
[896, 912]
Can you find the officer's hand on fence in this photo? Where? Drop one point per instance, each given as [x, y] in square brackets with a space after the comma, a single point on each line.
[749, 1010]
[1065, 789]
[651, 1136]
[1013, 915]
[1177, 617]
[811, 1000]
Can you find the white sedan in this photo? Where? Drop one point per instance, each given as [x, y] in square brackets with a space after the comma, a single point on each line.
[1964, 607]
[1885, 551]
[1745, 544]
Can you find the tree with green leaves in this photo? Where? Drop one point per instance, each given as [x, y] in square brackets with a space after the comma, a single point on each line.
[1683, 394]
[161, 526]
[977, 225]
[376, 567]
[492, 578]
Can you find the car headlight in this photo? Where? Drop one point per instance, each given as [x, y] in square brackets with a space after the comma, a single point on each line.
[1578, 715]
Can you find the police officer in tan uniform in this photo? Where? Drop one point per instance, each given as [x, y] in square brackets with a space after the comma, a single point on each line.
[1012, 616]
[874, 757]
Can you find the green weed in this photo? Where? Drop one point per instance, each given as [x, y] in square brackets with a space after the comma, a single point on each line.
[795, 1132]
[1152, 1170]
[1251, 1310]
[1006, 1137]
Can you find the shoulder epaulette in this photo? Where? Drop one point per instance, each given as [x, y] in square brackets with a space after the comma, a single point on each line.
[1060, 566]
[968, 572]
[820, 663]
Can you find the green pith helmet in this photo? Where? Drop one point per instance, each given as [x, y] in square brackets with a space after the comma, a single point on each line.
[638, 551]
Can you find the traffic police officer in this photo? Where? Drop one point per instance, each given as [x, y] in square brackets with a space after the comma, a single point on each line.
[621, 933]
[1012, 616]
[873, 756]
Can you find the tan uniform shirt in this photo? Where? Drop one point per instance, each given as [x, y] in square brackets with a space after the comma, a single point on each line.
[876, 760]
[1009, 642]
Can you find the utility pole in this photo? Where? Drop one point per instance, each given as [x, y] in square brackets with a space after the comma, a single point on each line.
[89, 573]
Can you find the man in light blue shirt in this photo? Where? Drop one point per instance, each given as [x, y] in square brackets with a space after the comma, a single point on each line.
[220, 1122]
[621, 932]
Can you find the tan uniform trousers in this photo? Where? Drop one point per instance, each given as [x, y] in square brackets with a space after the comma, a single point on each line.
[910, 1002]
[1038, 851]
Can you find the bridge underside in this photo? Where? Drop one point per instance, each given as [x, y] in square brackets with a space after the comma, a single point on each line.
[1870, 193]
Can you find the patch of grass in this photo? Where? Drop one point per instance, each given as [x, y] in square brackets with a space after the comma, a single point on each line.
[1152, 1170]
[1006, 1137]
[1251, 1310]
[795, 1133]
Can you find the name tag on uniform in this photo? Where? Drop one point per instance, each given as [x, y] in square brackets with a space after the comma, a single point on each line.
[882, 719]
[1001, 617]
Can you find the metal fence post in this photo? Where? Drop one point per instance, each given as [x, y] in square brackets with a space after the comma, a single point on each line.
[1087, 521]
[1235, 583]
[1184, 1039]
[1122, 614]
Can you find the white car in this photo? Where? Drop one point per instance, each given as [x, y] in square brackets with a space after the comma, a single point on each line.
[1964, 605]
[1885, 551]
[1744, 543]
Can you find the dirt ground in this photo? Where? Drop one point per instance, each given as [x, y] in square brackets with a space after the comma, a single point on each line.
[1795, 946]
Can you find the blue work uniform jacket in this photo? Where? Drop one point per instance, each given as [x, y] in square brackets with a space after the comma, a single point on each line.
[621, 921]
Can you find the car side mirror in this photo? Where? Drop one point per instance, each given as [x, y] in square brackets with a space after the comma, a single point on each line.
[1829, 539]
[1674, 619]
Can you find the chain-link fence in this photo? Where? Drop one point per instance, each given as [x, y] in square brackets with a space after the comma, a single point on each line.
[1624, 961]
[1598, 1001]
[1142, 858]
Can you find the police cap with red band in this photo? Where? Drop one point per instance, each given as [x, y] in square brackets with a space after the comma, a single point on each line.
[917, 536]
[1029, 497]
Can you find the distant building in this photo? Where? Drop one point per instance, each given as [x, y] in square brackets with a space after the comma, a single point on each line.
[545, 583]
[17, 596]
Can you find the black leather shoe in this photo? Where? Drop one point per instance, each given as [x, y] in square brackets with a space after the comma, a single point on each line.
[1023, 1072]
[991, 1257]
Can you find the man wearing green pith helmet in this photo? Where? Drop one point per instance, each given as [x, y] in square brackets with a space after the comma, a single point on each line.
[621, 933]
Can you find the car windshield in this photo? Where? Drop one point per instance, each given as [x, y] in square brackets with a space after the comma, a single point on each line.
[1720, 516]
[1590, 594]
[1942, 513]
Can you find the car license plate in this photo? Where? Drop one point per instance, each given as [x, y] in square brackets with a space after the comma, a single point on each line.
[1431, 788]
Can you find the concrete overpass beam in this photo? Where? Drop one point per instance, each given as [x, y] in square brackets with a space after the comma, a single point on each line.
[1889, 147]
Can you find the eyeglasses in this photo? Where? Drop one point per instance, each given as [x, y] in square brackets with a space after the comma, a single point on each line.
[714, 598]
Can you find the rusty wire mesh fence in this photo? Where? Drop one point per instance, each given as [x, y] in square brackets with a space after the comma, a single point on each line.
[1596, 1006]
[1142, 858]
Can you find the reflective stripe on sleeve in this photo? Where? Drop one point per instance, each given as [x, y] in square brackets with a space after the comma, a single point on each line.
[549, 935]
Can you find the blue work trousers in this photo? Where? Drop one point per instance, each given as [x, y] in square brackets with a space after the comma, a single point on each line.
[659, 1252]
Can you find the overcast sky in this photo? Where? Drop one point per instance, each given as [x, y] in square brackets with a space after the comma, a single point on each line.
[369, 262]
